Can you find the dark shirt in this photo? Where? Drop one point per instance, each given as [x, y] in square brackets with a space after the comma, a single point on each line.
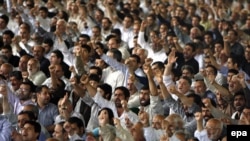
[44, 66]
[14, 60]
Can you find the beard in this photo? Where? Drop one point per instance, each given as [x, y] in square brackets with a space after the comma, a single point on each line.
[144, 102]
[118, 103]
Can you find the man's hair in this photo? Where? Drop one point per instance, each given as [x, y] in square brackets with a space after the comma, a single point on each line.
[77, 121]
[99, 70]
[34, 110]
[5, 18]
[86, 36]
[30, 114]
[8, 47]
[58, 54]
[234, 71]
[30, 83]
[159, 64]
[36, 125]
[48, 41]
[87, 47]
[214, 69]
[117, 55]
[138, 59]
[9, 32]
[192, 45]
[187, 79]
[107, 90]
[40, 88]
[17, 75]
[124, 90]
[45, 9]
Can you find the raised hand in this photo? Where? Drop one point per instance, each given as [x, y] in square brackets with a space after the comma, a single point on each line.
[84, 79]
[117, 122]
[198, 116]
[171, 57]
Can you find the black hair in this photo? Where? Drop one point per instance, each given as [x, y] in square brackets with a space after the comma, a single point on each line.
[107, 90]
[30, 114]
[17, 75]
[48, 41]
[36, 125]
[110, 114]
[124, 90]
[77, 121]
[5, 18]
[58, 54]
[9, 32]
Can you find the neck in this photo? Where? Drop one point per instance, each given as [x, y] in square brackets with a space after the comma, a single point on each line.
[119, 111]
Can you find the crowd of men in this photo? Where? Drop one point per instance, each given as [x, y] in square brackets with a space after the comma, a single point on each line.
[123, 70]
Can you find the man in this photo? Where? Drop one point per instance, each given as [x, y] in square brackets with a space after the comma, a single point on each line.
[47, 110]
[239, 102]
[118, 105]
[48, 47]
[57, 57]
[22, 98]
[155, 48]
[113, 43]
[38, 53]
[66, 110]
[201, 89]
[106, 27]
[12, 59]
[231, 45]
[23, 63]
[188, 55]
[31, 131]
[75, 128]
[58, 73]
[35, 75]
[214, 129]
[5, 70]
[8, 35]
[4, 20]
[15, 80]
[60, 133]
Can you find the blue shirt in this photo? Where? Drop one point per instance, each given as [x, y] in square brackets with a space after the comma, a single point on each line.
[48, 114]
[5, 129]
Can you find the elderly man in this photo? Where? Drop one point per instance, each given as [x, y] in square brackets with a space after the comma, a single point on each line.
[35, 75]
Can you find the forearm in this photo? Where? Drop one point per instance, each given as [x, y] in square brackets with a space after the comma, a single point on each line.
[152, 86]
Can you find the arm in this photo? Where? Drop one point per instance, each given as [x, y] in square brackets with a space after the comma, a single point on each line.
[151, 83]
[5, 129]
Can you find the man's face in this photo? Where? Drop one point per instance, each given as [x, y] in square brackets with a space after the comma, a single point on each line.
[2, 24]
[32, 67]
[7, 39]
[206, 113]
[188, 52]
[127, 22]
[183, 86]
[131, 86]
[213, 131]
[76, 129]
[234, 85]
[24, 92]
[105, 24]
[21, 119]
[28, 133]
[239, 102]
[118, 97]
[38, 52]
[58, 132]
[54, 59]
[6, 53]
[144, 97]
[199, 87]
[230, 64]
[247, 54]
[156, 123]
[112, 43]
[22, 65]
[15, 83]
[44, 96]
[24, 33]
